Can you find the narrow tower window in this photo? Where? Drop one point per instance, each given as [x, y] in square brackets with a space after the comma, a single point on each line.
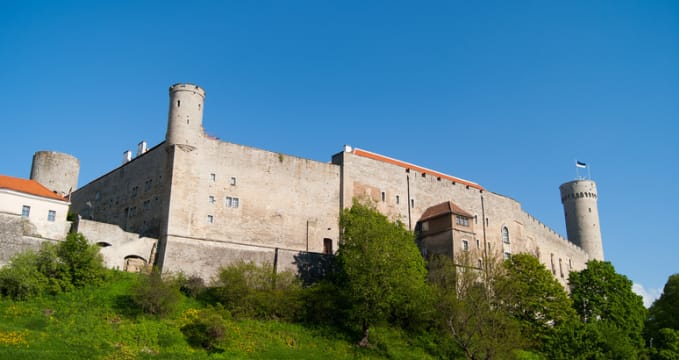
[178, 103]
[505, 235]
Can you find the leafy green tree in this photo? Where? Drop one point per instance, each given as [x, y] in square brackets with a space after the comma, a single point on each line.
[534, 297]
[382, 270]
[662, 325]
[83, 263]
[664, 313]
[604, 297]
[472, 313]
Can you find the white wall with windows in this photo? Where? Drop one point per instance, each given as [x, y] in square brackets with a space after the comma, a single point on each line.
[47, 215]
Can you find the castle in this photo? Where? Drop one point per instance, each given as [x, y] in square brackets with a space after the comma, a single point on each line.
[194, 203]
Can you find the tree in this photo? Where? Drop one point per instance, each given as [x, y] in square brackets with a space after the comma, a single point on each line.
[600, 295]
[20, 279]
[382, 270]
[664, 313]
[662, 325]
[534, 297]
[471, 311]
[82, 260]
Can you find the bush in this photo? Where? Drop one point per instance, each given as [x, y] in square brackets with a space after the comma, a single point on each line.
[249, 290]
[206, 330]
[20, 279]
[192, 286]
[154, 296]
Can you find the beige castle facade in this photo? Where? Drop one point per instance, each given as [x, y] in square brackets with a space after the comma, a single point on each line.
[209, 202]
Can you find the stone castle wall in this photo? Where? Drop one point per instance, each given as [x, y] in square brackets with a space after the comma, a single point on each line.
[16, 237]
[283, 202]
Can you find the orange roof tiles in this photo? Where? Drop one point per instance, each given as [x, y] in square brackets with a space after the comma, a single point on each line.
[405, 165]
[443, 208]
[28, 186]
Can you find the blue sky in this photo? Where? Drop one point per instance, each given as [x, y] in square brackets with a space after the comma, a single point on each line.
[506, 94]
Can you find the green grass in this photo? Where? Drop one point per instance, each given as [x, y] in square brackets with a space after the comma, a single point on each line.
[97, 323]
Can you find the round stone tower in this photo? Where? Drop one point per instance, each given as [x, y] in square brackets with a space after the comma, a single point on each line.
[56, 171]
[185, 118]
[579, 199]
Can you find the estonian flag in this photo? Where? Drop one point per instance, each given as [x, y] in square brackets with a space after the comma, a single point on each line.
[580, 164]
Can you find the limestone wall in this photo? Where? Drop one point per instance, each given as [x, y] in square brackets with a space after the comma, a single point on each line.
[133, 196]
[368, 178]
[15, 237]
[117, 246]
[234, 194]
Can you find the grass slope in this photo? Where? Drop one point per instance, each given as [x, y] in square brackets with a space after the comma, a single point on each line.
[97, 323]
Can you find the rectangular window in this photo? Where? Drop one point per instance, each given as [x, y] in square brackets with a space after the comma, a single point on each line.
[133, 211]
[210, 219]
[134, 191]
[412, 203]
[213, 177]
[51, 215]
[233, 181]
[398, 199]
[461, 220]
[211, 199]
[384, 196]
[465, 245]
[478, 243]
[148, 184]
[147, 205]
[25, 211]
[507, 255]
[232, 202]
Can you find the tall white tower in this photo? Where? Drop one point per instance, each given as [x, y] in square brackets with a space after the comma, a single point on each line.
[185, 118]
[579, 199]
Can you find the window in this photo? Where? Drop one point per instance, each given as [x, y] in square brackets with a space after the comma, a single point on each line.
[478, 263]
[133, 211]
[461, 220]
[211, 199]
[210, 219]
[134, 191]
[213, 177]
[478, 243]
[25, 211]
[412, 203]
[398, 199]
[232, 202]
[507, 255]
[233, 181]
[465, 245]
[148, 184]
[505, 235]
[384, 196]
[147, 205]
[51, 215]
[560, 268]
[327, 246]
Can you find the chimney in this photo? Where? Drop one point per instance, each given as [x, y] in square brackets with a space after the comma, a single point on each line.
[127, 156]
[141, 147]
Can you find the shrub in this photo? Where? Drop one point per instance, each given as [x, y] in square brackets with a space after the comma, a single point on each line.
[20, 279]
[154, 296]
[206, 330]
[249, 290]
[192, 286]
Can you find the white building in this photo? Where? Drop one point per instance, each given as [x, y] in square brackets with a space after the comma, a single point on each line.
[44, 209]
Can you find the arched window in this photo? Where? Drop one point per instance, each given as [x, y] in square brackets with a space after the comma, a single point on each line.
[505, 235]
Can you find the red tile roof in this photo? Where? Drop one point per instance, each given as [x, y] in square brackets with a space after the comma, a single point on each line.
[403, 164]
[28, 186]
[443, 208]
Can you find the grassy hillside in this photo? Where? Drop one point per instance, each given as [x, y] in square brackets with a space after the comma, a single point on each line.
[98, 323]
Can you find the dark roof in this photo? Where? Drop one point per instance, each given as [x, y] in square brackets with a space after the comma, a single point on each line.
[443, 208]
[28, 187]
